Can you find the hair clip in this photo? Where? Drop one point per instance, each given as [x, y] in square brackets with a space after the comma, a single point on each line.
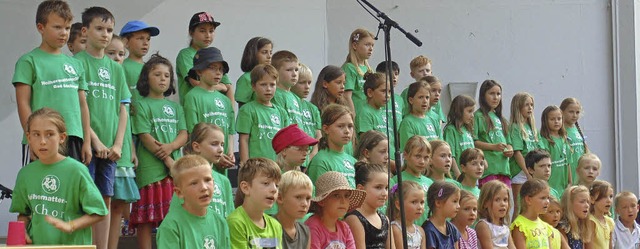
[394, 188]
[440, 192]
[356, 37]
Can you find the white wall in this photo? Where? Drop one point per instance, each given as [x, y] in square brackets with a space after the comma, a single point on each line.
[552, 49]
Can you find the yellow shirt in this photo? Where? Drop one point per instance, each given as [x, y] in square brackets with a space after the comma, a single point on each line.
[556, 239]
[602, 231]
[537, 233]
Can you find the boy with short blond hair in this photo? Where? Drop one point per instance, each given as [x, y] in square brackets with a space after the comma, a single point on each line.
[286, 63]
[259, 120]
[45, 77]
[294, 198]
[193, 224]
[420, 67]
[257, 191]
[626, 233]
[107, 98]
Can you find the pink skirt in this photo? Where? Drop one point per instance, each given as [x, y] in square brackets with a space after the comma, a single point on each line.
[502, 178]
[153, 205]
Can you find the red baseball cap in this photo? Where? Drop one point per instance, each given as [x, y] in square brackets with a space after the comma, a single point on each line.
[291, 136]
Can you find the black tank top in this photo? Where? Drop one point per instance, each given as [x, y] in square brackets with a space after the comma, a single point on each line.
[374, 237]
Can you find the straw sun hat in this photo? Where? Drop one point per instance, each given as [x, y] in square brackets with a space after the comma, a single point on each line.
[332, 181]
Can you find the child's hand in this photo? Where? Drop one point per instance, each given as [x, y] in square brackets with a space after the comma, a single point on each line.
[86, 153]
[168, 162]
[59, 224]
[499, 147]
[134, 160]
[508, 152]
[164, 151]
[227, 161]
[115, 153]
[27, 238]
[101, 150]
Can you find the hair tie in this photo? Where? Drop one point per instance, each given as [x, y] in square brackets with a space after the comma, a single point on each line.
[394, 188]
[440, 192]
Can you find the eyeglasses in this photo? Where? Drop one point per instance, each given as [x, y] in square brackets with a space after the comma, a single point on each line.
[303, 148]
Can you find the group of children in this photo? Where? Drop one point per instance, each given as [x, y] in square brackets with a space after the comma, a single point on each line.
[325, 161]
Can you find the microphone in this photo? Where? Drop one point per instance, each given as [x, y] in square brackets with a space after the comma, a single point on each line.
[5, 192]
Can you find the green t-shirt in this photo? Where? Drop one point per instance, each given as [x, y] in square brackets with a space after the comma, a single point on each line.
[222, 200]
[55, 80]
[107, 91]
[311, 121]
[184, 63]
[163, 119]
[577, 146]
[244, 93]
[458, 140]
[125, 159]
[132, 71]
[289, 102]
[423, 181]
[63, 190]
[369, 118]
[437, 108]
[181, 229]
[212, 107]
[412, 125]
[498, 163]
[555, 193]
[261, 123]
[521, 143]
[328, 160]
[474, 190]
[447, 179]
[406, 108]
[560, 152]
[355, 82]
[399, 104]
[247, 235]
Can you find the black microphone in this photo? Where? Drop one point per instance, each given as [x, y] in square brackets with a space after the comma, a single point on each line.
[5, 192]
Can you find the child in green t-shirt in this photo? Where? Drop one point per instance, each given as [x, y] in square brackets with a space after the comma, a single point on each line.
[259, 120]
[329, 87]
[310, 123]
[472, 166]
[55, 195]
[372, 114]
[193, 224]
[417, 122]
[45, 77]
[440, 164]
[294, 197]
[202, 27]
[115, 50]
[553, 138]
[77, 41]
[399, 102]
[257, 51]
[107, 97]
[337, 132]
[204, 104]
[286, 63]
[373, 147]
[160, 126]
[136, 36]
[571, 112]
[457, 132]
[257, 191]
[355, 66]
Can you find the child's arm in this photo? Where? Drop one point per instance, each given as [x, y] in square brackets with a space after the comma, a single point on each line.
[563, 243]
[348, 101]
[484, 235]
[86, 127]
[228, 160]
[229, 92]
[314, 150]
[134, 157]
[511, 244]
[423, 244]
[80, 223]
[165, 150]
[518, 238]
[23, 99]
[101, 150]
[357, 230]
[26, 220]
[397, 237]
[520, 161]
[244, 148]
[509, 151]
[489, 146]
[115, 151]
[150, 143]
[389, 243]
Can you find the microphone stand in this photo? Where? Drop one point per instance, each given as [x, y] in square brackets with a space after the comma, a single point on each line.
[386, 24]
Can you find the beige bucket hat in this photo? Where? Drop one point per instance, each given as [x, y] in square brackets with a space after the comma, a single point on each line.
[333, 181]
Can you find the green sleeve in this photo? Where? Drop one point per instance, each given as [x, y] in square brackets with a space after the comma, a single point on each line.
[183, 64]
[225, 242]
[406, 131]
[479, 126]
[351, 76]
[286, 121]
[237, 228]
[316, 115]
[190, 112]
[24, 71]
[167, 237]
[245, 120]
[142, 123]
[405, 104]
[243, 89]
[90, 198]
[364, 122]
[515, 138]
[443, 117]
[437, 126]
[124, 92]
[225, 79]
[228, 198]
[232, 119]
[182, 124]
[316, 168]
[19, 201]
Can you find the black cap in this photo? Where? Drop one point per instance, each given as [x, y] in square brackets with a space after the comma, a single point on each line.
[200, 18]
[204, 57]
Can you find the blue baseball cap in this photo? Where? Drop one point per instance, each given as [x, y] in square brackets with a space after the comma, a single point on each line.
[137, 25]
